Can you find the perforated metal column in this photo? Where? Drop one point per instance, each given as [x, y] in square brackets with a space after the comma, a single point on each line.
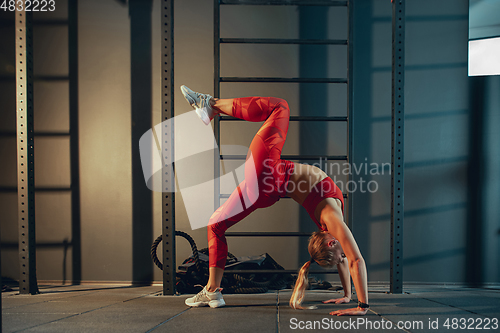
[167, 144]
[25, 153]
[397, 177]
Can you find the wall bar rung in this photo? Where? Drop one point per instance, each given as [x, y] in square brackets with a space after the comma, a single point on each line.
[62, 22]
[55, 134]
[268, 234]
[285, 2]
[292, 157]
[294, 118]
[282, 79]
[51, 78]
[225, 196]
[275, 271]
[283, 41]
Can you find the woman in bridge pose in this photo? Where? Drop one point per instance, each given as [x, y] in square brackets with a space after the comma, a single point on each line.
[267, 179]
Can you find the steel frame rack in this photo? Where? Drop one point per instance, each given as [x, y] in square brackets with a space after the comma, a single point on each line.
[218, 79]
[25, 135]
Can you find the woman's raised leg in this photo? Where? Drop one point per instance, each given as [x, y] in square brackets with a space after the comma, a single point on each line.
[254, 109]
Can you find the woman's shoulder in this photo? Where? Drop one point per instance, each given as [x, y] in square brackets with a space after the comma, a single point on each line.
[329, 207]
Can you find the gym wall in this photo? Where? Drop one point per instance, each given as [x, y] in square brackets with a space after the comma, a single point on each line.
[449, 127]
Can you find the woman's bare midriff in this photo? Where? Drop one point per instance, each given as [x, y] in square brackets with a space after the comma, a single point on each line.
[302, 180]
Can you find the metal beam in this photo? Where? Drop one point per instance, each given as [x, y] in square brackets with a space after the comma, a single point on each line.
[292, 157]
[350, 99]
[283, 41]
[397, 169]
[283, 79]
[268, 234]
[25, 153]
[167, 144]
[337, 3]
[1, 283]
[296, 118]
[277, 271]
[76, 230]
[225, 196]
[217, 80]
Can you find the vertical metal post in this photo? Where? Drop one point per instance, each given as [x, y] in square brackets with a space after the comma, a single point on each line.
[397, 168]
[217, 95]
[1, 283]
[74, 141]
[167, 144]
[350, 98]
[25, 153]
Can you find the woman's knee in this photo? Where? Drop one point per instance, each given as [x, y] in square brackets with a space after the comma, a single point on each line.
[282, 107]
[216, 227]
[284, 103]
[280, 103]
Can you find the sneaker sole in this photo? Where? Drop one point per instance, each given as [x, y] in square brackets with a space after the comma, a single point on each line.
[196, 305]
[202, 113]
[212, 304]
[216, 304]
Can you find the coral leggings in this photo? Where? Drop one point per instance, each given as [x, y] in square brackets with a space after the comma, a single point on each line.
[266, 174]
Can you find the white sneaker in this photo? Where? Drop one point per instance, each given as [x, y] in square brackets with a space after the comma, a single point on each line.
[201, 102]
[204, 298]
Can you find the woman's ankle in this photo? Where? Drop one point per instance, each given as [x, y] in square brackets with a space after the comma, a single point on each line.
[211, 289]
[213, 104]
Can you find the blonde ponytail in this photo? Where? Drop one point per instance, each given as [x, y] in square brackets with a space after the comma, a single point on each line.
[323, 256]
[300, 287]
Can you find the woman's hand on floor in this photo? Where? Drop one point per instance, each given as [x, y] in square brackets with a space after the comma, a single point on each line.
[344, 299]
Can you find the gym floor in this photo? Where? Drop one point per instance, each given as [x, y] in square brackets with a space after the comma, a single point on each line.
[97, 308]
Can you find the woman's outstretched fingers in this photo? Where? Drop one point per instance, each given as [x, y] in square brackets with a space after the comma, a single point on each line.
[329, 301]
[337, 300]
[350, 312]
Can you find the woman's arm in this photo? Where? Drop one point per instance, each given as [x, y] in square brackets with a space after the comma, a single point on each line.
[338, 229]
[345, 279]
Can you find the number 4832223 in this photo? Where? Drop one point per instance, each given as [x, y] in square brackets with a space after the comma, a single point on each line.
[28, 5]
